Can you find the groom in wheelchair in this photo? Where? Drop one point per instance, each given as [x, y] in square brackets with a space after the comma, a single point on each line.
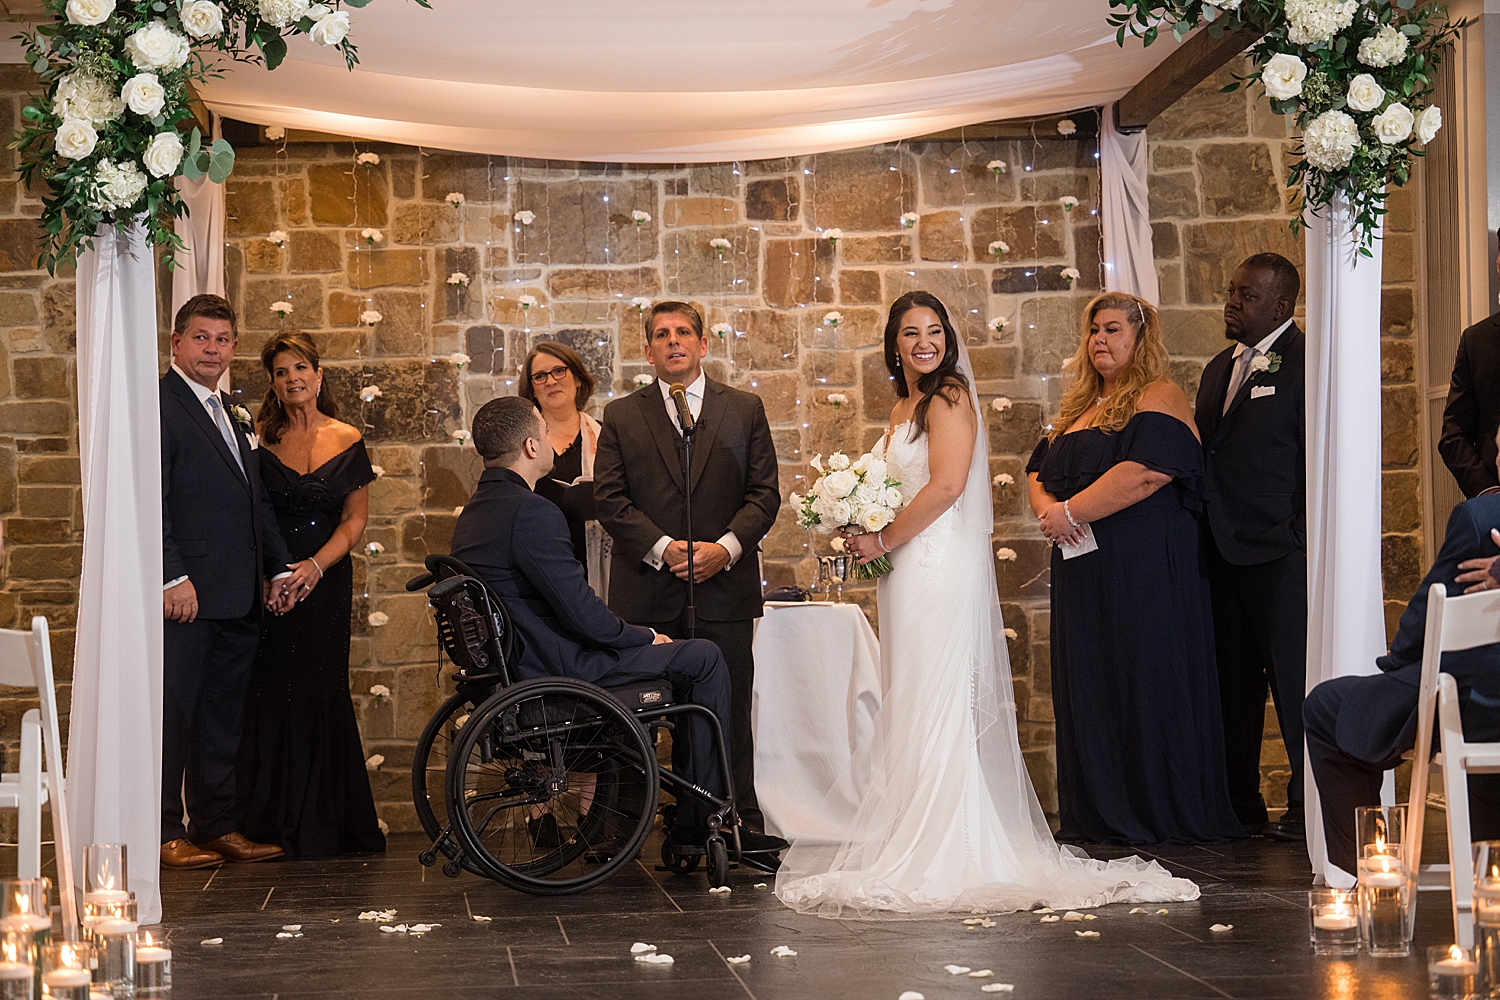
[518, 543]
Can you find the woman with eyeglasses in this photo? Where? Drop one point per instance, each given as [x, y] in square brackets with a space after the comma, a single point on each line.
[556, 381]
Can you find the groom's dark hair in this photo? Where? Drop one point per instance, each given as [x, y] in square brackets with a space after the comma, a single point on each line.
[501, 428]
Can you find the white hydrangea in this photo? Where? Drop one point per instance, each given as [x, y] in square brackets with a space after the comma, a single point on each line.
[119, 185]
[1330, 140]
[88, 98]
[157, 46]
[1386, 47]
[1313, 21]
[284, 13]
[1394, 124]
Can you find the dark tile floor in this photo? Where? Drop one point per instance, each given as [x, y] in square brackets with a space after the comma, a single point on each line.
[579, 946]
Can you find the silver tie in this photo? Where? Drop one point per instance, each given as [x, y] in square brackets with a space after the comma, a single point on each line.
[1241, 372]
[217, 409]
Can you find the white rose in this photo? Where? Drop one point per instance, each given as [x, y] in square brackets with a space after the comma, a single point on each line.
[75, 139]
[1394, 124]
[891, 497]
[90, 12]
[284, 13]
[840, 512]
[1330, 140]
[1364, 93]
[874, 518]
[838, 461]
[202, 18]
[82, 95]
[144, 95]
[157, 46]
[865, 493]
[164, 154]
[841, 484]
[1428, 121]
[1260, 363]
[1283, 76]
[331, 28]
[1384, 48]
[875, 469]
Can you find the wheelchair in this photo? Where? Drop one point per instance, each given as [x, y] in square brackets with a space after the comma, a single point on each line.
[501, 755]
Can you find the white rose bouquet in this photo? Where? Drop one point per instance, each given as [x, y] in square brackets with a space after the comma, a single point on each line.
[861, 494]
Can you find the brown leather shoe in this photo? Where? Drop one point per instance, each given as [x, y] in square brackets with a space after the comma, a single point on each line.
[238, 847]
[181, 853]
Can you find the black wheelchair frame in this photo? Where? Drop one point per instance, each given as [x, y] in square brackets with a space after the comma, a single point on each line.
[488, 717]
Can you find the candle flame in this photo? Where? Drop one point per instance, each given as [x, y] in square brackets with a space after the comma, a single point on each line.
[1495, 871]
[1380, 843]
[1455, 952]
[69, 956]
[109, 882]
[148, 942]
[9, 949]
[23, 903]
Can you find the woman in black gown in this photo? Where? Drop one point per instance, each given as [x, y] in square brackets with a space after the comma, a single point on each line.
[1140, 744]
[301, 778]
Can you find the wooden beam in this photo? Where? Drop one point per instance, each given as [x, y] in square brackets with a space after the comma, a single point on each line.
[200, 113]
[1194, 61]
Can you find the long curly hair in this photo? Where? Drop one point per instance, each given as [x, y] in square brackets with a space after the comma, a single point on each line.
[945, 378]
[1148, 364]
[273, 417]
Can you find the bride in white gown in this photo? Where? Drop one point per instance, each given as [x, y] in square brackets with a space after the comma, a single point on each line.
[946, 818]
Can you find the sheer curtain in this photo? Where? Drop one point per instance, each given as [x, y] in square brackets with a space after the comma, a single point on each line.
[1129, 260]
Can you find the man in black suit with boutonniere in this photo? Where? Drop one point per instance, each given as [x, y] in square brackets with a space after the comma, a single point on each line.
[640, 497]
[1471, 416]
[1251, 417]
[220, 544]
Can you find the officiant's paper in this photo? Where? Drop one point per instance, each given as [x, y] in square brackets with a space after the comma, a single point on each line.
[1088, 543]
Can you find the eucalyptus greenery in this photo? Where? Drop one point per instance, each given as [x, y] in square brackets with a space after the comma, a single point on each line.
[111, 125]
[1355, 77]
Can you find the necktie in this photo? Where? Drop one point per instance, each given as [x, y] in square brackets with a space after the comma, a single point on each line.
[1241, 370]
[222, 422]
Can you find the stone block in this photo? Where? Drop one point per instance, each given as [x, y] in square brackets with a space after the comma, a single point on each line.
[1212, 250]
[877, 387]
[701, 211]
[1170, 157]
[828, 368]
[1205, 112]
[596, 283]
[1400, 209]
[1400, 501]
[1048, 328]
[777, 199]
[263, 256]
[859, 286]
[770, 340]
[1187, 374]
[1027, 278]
[1174, 195]
[1016, 430]
[311, 251]
[1195, 333]
[59, 304]
[1400, 565]
[1238, 179]
[18, 308]
[1398, 257]
[1397, 310]
[425, 223]
[392, 495]
[41, 378]
[1164, 242]
[874, 249]
[991, 362]
[956, 174]
[34, 530]
[1088, 257]
[779, 392]
[1055, 186]
[855, 190]
[294, 201]
[721, 179]
[44, 562]
[940, 236]
[419, 400]
[1400, 433]
[305, 294]
[373, 268]
[20, 243]
[1051, 152]
[477, 177]
[595, 347]
[49, 470]
[343, 195]
[250, 208]
[400, 331]
[798, 271]
[1169, 281]
[488, 347]
[1009, 501]
[449, 476]
[963, 290]
[409, 636]
[1034, 232]
[1016, 576]
[693, 267]
[775, 166]
[34, 501]
[1396, 361]
[587, 222]
[426, 533]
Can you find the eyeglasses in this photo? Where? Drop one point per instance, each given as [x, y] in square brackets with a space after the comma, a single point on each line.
[542, 378]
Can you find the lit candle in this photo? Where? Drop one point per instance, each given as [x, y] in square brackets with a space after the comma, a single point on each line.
[1451, 966]
[150, 954]
[1335, 922]
[1450, 973]
[153, 968]
[106, 896]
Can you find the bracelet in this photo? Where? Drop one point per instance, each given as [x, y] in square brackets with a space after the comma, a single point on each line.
[1069, 515]
[880, 540]
[320, 568]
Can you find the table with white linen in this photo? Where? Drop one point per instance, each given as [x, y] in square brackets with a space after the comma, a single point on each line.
[817, 690]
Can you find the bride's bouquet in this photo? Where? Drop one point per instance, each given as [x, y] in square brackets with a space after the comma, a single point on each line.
[859, 494]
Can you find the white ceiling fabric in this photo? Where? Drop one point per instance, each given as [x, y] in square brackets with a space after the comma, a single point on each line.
[664, 81]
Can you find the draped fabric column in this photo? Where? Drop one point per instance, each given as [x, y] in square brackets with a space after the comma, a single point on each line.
[114, 731]
[1345, 619]
[200, 264]
[1129, 262]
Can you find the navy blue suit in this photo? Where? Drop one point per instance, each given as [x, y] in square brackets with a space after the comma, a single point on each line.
[1358, 727]
[518, 543]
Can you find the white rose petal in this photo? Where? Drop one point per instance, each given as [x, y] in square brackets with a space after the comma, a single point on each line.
[1086, 934]
[163, 154]
[1161, 913]
[1045, 909]
[911, 995]
[1283, 75]
[378, 618]
[143, 94]
[956, 970]
[201, 18]
[331, 28]
[283, 934]
[1394, 124]
[75, 139]
[1364, 93]
[721, 889]
[738, 959]
[1384, 48]
[374, 760]
[1221, 928]
[157, 46]
[641, 948]
[525, 218]
[211, 942]
[1073, 916]
[997, 988]
[981, 974]
[1051, 919]
[654, 958]
[1428, 121]
[1329, 141]
[89, 12]
[480, 920]
[782, 951]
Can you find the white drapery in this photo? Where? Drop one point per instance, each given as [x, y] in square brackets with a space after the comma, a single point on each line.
[200, 263]
[114, 731]
[677, 81]
[1345, 619]
[1129, 260]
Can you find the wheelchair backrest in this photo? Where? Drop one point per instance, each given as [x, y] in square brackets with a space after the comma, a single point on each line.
[473, 626]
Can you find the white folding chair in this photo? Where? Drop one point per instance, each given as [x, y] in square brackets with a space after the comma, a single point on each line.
[1453, 623]
[26, 661]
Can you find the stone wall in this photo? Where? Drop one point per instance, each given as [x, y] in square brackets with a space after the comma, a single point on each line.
[1216, 188]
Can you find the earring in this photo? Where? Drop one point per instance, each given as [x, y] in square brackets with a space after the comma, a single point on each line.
[898, 361]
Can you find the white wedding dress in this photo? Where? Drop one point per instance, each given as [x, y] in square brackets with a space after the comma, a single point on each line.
[946, 818]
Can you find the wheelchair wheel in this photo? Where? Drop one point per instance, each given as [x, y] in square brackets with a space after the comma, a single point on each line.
[718, 862]
[429, 771]
[676, 861]
[553, 785]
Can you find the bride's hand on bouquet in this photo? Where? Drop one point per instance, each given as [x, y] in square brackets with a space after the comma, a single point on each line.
[864, 547]
[1056, 526]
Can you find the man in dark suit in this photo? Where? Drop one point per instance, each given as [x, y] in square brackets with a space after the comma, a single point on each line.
[519, 543]
[1472, 414]
[640, 496]
[219, 543]
[1358, 727]
[1250, 415]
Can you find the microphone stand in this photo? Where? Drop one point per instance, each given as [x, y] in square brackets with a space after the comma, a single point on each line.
[687, 482]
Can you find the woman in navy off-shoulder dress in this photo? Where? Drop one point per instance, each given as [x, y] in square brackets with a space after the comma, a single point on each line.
[1140, 744]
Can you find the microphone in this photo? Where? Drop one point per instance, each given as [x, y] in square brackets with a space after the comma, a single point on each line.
[678, 392]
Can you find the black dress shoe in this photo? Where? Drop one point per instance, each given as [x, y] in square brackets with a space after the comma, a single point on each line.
[760, 843]
[1255, 829]
[1291, 827]
[545, 835]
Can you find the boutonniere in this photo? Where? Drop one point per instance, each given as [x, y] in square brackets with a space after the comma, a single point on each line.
[242, 417]
[1269, 362]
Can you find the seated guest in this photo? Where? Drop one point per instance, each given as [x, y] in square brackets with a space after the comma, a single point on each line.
[555, 379]
[518, 543]
[1357, 728]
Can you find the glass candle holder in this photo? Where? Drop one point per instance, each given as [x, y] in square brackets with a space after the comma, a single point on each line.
[26, 907]
[1383, 892]
[114, 906]
[1333, 919]
[65, 970]
[153, 968]
[18, 965]
[1452, 973]
[1487, 915]
[113, 937]
[105, 871]
[1380, 831]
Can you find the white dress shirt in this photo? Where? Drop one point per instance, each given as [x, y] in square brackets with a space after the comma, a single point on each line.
[695, 407]
[1244, 356]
